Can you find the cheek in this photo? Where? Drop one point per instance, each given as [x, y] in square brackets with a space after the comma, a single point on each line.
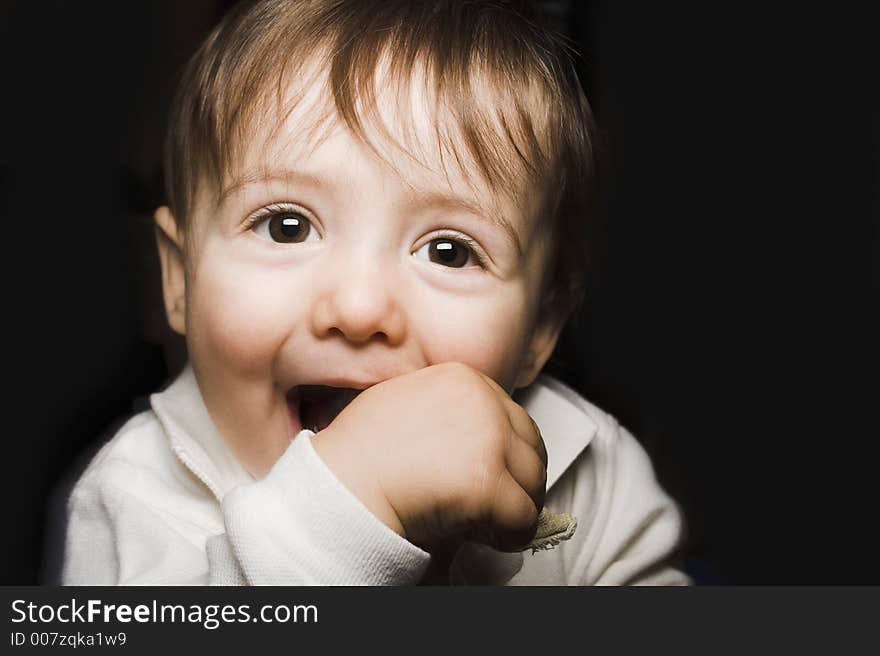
[489, 335]
[238, 317]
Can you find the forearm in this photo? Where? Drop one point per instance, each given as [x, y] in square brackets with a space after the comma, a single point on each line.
[300, 526]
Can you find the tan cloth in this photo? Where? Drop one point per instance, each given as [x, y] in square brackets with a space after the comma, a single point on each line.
[553, 528]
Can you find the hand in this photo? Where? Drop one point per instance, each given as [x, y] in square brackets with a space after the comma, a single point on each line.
[441, 454]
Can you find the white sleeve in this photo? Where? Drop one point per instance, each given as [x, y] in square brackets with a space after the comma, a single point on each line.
[115, 538]
[300, 526]
[639, 526]
[297, 526]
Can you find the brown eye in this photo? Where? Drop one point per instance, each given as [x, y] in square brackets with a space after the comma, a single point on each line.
[289, 227]
[448, 253]
[455, 253]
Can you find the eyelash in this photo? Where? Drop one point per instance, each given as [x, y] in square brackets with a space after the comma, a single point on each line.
[268, 211]
[461, 238]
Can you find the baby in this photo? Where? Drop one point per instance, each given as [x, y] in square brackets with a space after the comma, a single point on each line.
[375, 230]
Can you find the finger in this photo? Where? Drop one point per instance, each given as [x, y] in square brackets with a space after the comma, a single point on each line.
[514, 517]
[527, 469]
[527, 430]
[519, 419]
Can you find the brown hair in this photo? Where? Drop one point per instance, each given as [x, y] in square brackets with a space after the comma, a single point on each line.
[533, 125]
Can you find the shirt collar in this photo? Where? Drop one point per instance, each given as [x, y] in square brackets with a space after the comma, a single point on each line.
[194, 437]
[180, 408]
[566, 427]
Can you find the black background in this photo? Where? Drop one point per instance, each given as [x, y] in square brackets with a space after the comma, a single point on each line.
[730, 319]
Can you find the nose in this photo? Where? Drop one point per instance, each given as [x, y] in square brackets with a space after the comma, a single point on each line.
[359, 304]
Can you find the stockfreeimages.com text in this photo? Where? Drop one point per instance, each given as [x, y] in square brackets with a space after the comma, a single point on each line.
[210, 616]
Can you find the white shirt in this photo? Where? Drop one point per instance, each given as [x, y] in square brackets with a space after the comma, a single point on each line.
[166, 502]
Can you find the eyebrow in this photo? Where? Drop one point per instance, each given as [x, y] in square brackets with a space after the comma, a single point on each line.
[288, 176]
[420, 197]
[434, 198]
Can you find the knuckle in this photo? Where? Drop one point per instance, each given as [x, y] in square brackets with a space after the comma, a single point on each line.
[530, 517]
[542, 453]
[536, 429]
[539, 487]
[539, 474]
[539, 500]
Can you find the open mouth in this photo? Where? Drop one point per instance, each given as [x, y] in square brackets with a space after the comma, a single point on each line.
[315, 406]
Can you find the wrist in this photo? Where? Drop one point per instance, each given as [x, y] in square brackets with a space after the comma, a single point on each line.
[355, 472]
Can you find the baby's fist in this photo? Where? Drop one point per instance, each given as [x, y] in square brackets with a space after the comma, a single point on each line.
[441, 454]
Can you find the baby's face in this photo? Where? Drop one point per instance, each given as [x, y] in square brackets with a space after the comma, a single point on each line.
[326, 267]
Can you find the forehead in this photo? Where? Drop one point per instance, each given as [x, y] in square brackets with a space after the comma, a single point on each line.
[407, 128]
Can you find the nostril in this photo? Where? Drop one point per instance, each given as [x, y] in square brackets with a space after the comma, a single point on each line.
[376, 336]
[357, 320]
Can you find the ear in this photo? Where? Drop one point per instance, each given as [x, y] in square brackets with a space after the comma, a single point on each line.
[541, 346]
[170, 244]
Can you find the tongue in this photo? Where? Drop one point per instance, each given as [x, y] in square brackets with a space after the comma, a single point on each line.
[318, 410]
